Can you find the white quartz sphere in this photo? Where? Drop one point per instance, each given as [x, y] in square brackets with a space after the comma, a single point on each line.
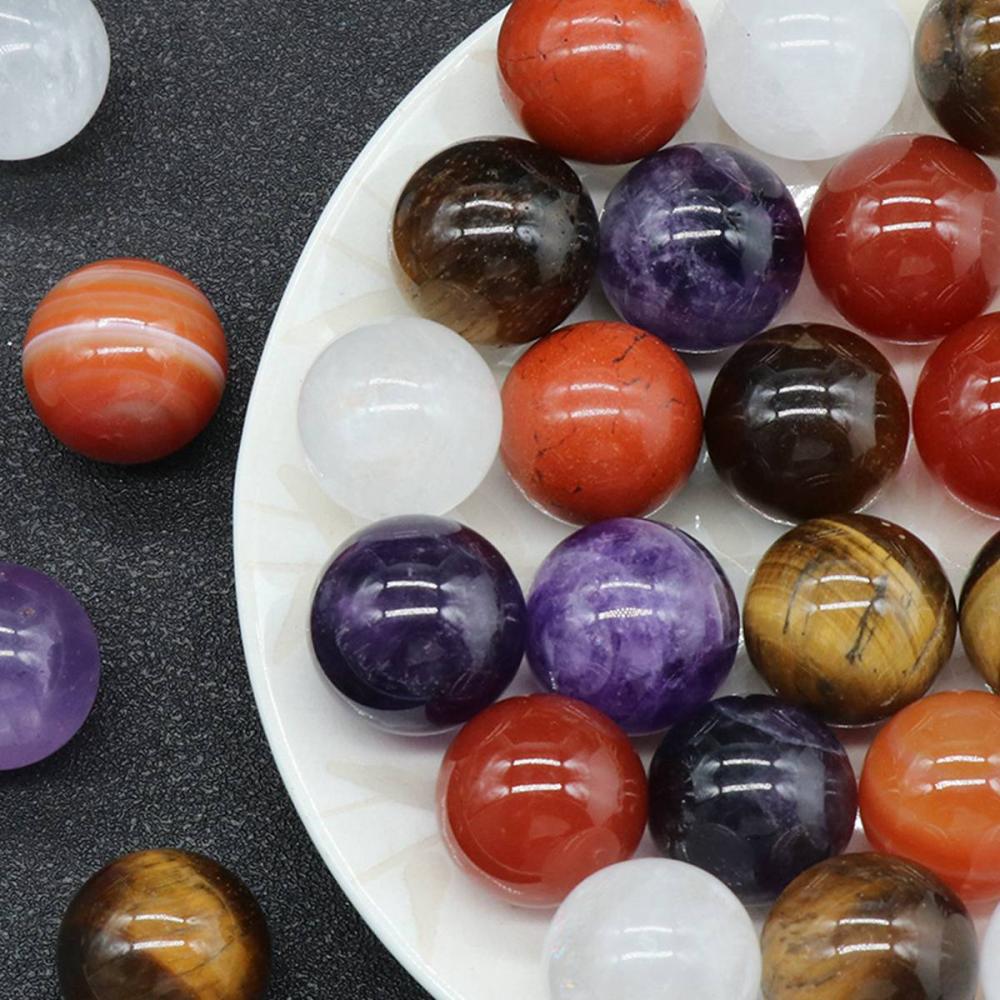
[989, 968]
[652, 930]
[401, 417]
[808, 79]
[54, 67]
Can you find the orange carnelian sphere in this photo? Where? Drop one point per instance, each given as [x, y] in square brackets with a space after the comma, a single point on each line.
[537, 793]
[904, 237]
[606, 81]
[930, 790]
[125, 361]
[601, 420]
[956, 413]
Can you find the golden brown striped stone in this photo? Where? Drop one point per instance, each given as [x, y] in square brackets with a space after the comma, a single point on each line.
[164, 924]
[851, 617]
[869, 927]
[980, 613]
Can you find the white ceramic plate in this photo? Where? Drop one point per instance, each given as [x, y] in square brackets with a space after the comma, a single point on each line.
[367, 799]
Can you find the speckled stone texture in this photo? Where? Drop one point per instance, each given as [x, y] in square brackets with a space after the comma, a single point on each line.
[702, 245]
[754, 791]
[225, 129]
[419, 623]
[635, 618]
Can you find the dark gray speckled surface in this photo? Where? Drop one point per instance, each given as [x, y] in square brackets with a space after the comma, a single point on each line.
[226, 127]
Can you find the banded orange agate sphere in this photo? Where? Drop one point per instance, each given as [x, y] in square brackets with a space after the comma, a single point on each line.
[125, 361]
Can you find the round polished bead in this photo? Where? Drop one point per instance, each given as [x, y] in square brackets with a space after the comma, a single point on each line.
[979, 613]
[652, 930]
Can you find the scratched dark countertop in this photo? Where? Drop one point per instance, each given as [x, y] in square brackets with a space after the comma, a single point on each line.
[225, 130]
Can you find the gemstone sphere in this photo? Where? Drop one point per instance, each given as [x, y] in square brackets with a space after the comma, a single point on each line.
[600, 420]
[904, 237]
[956, 418]
[164, 924]
[701, 245]
[958, 70]
[537, 793]
[979, 614]
[929, 790]
[54, 66]
[864, 925]
[851, 617]
[50, 666]
[635, 618]
[807, 420]
[419, 623]
[125, 361]
[754, 791]
[690, 933]
[606, 81]
[497, 238]
[808, 80]
[401, 417]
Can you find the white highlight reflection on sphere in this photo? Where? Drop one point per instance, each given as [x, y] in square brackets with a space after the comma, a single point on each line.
[989, 970]
[652, 930]
[54, 66]
[401, 417]
[808, 79]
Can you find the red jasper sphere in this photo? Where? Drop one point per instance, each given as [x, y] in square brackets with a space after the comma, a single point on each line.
[904, 237]
[537, 793]
[606, 81]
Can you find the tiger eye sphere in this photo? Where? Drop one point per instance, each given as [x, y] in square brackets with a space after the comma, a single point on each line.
[979, 616]
[807, 420]
[164, 924]
[851, 617]
[497, 239]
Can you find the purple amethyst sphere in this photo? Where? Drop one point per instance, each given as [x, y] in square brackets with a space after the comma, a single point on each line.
[50, 666]
[419, 623]
[702, 245]
[635, 618]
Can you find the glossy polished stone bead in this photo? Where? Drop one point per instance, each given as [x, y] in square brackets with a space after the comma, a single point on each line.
[419, 623]
[54, 66]
[652, 930]
[807, 420]
[851, 617]
[125, 361]
[635, 618]
[702, 245]
[164, 924]
[979, 613]
[808, 79]
[600, 420]
[497, 239]
[904, 237]
[50, 666]
[929, 790]
[400, 417]
[958, 70]
[754, 791]
[956, 414]
[864, 925]
[606, 81]
[537, 793]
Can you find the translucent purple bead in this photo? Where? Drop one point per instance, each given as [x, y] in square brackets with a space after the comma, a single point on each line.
[419, 623]
[754, 791]
[635, 618]
[50, 666]
[702, 245]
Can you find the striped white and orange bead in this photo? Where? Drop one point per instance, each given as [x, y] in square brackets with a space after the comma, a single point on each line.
[125, 361]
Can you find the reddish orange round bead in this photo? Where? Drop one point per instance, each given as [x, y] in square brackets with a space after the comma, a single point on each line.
[930, 790]
[601, 420]
[125, 361]
[606, 81]
[537, 793]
